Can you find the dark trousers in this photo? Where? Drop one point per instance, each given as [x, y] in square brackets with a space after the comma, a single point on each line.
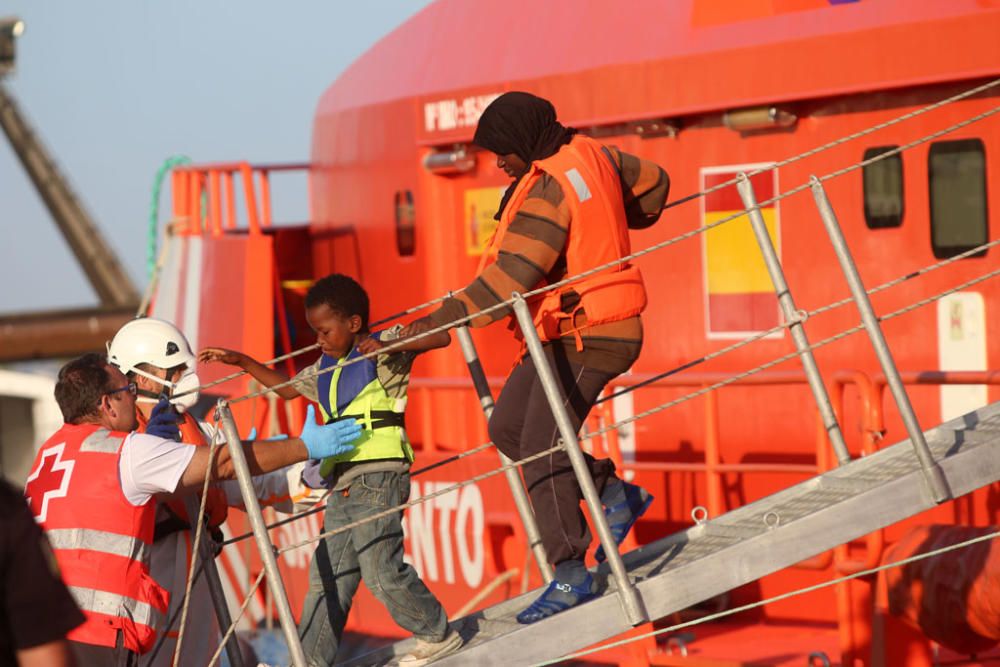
[92, 655]
[522, 425]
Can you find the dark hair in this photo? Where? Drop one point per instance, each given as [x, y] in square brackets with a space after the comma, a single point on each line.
[342, 294]
[80, 386]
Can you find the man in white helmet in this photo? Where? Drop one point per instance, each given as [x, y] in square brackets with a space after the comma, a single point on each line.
[96, 484]
[157, 357]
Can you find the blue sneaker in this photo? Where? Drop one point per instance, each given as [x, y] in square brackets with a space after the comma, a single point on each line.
[623, 507]
[556, 598]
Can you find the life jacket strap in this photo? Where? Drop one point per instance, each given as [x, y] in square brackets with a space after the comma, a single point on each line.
[379, 419]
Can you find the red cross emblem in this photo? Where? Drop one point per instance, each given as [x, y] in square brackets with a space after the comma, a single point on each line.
[52, 475]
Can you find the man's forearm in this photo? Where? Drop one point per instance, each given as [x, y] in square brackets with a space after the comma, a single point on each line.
[263, 456]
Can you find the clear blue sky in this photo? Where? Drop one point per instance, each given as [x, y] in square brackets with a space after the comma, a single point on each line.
[115, 87]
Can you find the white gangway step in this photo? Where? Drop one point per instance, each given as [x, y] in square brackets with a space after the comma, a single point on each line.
[741, 546]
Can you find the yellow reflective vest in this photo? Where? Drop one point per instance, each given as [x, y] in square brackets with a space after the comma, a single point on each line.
[355, 391]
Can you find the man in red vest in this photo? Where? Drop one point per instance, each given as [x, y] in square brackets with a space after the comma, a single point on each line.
[94, 486]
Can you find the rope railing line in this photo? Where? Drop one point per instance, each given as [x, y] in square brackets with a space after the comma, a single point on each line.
[232, 626]
[516, 464]
[506, 304]
[642, 415]
[777, 165]
[818, 311]
[792, 355]
[763, 204]
[316, 510]
[778, 598]
[238, 374]
[195, 545]
[842, 140]
[423, 499]
[686, 235]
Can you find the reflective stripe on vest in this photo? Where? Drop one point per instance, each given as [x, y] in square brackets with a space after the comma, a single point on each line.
[355, 390]
[597, 235]
[110, 604]
[102, 441]
[98, 540]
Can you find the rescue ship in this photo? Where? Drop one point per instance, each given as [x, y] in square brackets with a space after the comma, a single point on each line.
[401, 200]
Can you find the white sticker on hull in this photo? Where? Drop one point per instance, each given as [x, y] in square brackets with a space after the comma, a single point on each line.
[962, 347]
[458, 531]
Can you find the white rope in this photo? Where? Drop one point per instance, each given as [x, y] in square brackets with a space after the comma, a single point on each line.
[792, 355]
[777, 598]
[199, 522]
[642, 415]
[663, 244]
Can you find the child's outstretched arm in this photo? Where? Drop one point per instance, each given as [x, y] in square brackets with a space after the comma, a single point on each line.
[432, 342]
[266, 376]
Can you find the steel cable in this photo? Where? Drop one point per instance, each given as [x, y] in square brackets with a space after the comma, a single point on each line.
[673, 240]
[777, 598]
[664, 406]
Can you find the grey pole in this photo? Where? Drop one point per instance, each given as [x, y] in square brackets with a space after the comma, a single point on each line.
[631, 602]
[933, 475]
[513, 479]
[791, 314]
[207, 556]
[267, 550]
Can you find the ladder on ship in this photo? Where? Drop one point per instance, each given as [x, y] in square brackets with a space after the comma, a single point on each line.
[717, 555]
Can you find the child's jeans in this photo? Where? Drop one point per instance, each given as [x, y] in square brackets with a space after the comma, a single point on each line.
[374, 552]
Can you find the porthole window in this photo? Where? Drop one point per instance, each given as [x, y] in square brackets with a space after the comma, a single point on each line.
[406, 237]
[957, 174]
[883, 189]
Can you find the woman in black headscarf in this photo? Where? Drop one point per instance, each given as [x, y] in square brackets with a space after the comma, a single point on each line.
[520, 128]
[565, 186]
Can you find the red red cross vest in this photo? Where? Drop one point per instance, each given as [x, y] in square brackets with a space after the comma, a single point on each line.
[101, 541]
[598, 234]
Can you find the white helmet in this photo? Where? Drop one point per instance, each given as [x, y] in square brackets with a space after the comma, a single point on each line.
[158, 343]
[149, 341]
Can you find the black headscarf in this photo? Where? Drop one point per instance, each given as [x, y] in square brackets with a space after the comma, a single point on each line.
[523, 124]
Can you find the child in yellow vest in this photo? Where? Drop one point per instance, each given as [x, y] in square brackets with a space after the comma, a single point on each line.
[372, 478]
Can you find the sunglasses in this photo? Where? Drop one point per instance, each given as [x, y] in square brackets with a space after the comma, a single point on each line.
[131, 388]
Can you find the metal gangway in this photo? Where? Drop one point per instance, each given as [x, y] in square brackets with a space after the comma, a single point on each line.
[718, 553]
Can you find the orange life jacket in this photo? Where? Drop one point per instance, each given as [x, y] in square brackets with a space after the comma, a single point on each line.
[100, 540]
[598, 234]
[216, 507]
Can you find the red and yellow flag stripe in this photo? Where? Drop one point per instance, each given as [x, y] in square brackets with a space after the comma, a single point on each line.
[740, 295]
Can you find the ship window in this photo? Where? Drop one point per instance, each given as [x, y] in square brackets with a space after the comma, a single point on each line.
[883, 187]
[957, 174]
[406, 237]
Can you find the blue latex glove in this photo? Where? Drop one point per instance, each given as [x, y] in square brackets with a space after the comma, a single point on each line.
[163, 421]
[330, 439]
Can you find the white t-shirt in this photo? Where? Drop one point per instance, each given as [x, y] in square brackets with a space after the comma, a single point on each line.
[149, 465]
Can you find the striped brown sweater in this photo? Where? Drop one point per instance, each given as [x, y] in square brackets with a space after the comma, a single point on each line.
[533, 251]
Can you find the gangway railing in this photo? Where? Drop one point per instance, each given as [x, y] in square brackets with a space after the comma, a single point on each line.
[631, 602]
[713, 466]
